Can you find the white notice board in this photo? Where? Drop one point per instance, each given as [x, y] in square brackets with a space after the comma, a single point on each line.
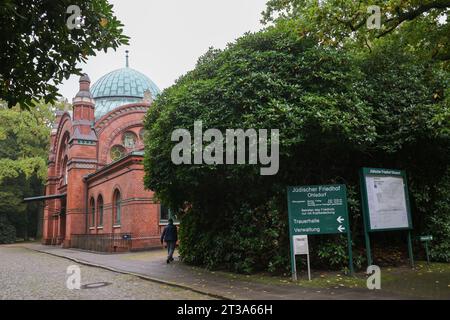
[301, 246]
[386, 202]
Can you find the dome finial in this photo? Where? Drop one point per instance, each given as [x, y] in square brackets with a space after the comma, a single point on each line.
[126, 56]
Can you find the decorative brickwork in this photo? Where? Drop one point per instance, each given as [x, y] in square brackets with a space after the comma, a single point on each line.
[104, 194]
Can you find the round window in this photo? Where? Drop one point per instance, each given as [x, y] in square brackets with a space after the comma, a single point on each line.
[117, 152]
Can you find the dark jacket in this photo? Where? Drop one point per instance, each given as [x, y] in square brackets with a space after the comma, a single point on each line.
[170, 233]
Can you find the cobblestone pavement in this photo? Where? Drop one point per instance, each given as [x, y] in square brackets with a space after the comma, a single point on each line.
[152, 264]
[25, 274]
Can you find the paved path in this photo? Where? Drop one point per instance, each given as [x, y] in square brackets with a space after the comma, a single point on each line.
[151, 265]
[31, 275]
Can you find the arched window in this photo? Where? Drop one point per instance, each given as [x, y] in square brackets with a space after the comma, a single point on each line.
[64, 171]
[100, 211]
[129, 140]
[117, 207]
[92, 212]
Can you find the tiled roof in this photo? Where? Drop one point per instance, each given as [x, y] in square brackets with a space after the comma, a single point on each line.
[120, 87]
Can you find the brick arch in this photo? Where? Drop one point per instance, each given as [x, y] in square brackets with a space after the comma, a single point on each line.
[62, 154]
[116, 189]
[114, 122]
[61, 143]
[97, 209]
[93, 196]
[92, 200]
[108, 142]
[64, 125]
[114, 115]
[100, 194]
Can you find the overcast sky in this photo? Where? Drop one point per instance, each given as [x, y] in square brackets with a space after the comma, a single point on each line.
[168, 36]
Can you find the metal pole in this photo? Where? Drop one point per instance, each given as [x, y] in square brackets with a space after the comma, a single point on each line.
[293, 264]
[365, 210]
[294, 271]
[350, 252]
[309, 268]
[428, 254]
[410, 250]
[368, 251]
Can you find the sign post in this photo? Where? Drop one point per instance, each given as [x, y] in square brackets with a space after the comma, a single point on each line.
[385, 203]
[315, 210]
[301, 247]
[426, 240]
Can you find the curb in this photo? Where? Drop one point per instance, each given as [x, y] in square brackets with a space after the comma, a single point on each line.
[141, 276]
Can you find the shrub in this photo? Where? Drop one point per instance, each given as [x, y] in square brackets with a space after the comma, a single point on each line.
[7, 231]
[337, 111]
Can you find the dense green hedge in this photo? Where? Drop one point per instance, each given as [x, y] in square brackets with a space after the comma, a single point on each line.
[438, 221]
[7, 231]
[337, 111]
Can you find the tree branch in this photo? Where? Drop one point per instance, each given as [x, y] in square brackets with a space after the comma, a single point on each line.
[411, 15]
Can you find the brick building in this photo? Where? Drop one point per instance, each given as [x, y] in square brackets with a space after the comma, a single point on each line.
[95, 190]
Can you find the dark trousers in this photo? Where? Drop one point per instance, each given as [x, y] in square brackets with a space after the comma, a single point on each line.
[170, 248]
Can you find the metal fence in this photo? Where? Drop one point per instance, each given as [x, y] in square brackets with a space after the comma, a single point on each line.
[108, 242]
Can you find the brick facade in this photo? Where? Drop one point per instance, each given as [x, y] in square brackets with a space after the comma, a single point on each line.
[82, 170]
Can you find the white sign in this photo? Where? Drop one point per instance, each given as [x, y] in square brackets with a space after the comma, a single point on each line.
[387, 202]
[301, 245]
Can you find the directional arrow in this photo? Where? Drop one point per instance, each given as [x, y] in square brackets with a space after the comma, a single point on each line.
[341, 229]
[340, 219]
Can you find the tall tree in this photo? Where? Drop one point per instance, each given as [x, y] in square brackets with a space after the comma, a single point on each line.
[423, 25]
[337, 110]
[42, 41]
[24, 139]
[24, 145]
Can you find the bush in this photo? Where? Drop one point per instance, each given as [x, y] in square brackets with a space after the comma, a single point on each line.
[438, 223]
[336, 112]
[250, 242]
[7, 231]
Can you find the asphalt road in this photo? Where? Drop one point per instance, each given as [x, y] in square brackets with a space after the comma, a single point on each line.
[25, 274]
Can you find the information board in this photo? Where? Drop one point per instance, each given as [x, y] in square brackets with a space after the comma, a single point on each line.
[315, 210]
[385, 199]
[385, 203]
[318, 209]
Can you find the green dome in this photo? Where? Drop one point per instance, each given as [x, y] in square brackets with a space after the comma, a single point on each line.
[120, 87]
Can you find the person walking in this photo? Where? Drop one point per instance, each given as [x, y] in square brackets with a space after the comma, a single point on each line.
[170, 236]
